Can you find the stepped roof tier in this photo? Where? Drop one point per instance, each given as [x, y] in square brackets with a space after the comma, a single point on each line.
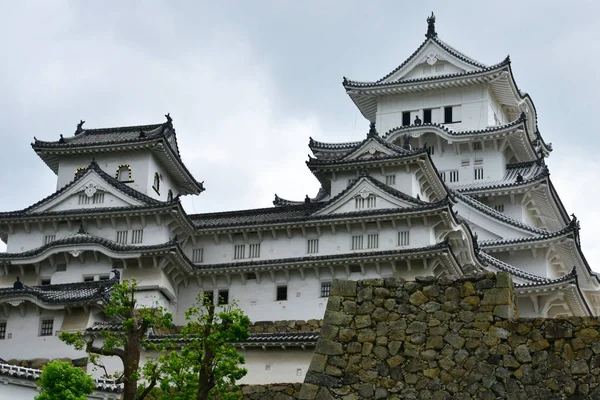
[160, 139]
[58, 295]
[467, 72]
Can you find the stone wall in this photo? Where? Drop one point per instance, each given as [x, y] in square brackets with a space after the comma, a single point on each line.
[444, 339]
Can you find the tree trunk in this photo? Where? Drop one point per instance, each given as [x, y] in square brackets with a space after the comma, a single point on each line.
[130, 366]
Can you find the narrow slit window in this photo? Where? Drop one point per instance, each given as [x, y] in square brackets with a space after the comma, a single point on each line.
[137, 236]
[373, 240]
[254, 250]
[197, 255]
[170, 195]
[403, 238]
[156, 185]
[312, 246]
[239, 251]
[122, 237]
[357, 242]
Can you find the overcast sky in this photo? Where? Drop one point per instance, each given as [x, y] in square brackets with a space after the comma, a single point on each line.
[248, 82]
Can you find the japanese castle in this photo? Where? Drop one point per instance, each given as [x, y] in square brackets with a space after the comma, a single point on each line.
[450, 179]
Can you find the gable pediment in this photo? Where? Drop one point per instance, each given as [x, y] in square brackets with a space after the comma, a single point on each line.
[364, 195]
[369, 149]
[431, 60]
[91, 191]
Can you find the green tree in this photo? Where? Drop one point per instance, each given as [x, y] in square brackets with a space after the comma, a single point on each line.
[125, 342]
[208, 364]
[60, 381]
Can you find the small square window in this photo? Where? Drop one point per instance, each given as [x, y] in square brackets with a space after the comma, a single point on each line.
[2, 330]
[61, 267]
[239, 251]
[403, 238]
[312, 246]
[251, 275]
[122, 237]
[325, 289]
[137, 236]
[357, 242]
[47, 327]
[373, 240]
[44, 281]
[103, 277]
[282, 293]
[223, 297]
[254, 250]
[88, 279]
[355, 269]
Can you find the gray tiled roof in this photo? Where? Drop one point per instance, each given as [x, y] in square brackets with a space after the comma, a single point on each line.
[256, 339]
[566, 231]
[530, 172]
[300, 212]
[79, 292]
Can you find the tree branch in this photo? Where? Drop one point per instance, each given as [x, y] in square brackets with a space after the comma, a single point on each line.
[105, 352]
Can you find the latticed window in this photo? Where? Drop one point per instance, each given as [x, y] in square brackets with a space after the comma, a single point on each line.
[312, 246]
[357, 242]
[390, 180]
[2, 330]
[47, 327]
[239, 251]
[49, 239]
[223, 297]
[137, 236]
[373, 240]
[477, 146]
[403, 238]
[122, 237]
[254, 250]
[453, 175]
[282, 293]
[197, 255]
[443, 176]
[365, 202]
[98, 198]
[325, 289]
[499, 207]
[478, 173]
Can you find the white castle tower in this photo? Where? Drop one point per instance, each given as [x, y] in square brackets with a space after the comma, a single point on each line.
[450, 179]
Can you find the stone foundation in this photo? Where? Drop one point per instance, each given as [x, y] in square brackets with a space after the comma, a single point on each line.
[444, 339]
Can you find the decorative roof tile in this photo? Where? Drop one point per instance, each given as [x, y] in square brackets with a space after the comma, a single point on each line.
[256, 339]
[79, 292]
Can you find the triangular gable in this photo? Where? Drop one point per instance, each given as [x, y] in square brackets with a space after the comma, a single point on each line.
[90, 191]
[370, 148]
[432, 59]
[364, 195]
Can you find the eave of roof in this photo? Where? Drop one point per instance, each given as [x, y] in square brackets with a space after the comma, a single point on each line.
[347, 258]
[500, 244]
[65, 293]
[289, 339]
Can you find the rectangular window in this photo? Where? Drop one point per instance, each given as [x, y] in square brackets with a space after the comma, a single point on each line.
[239, 251]
[61, 267]
[499, 207]
[251, 275]
[478, 173]
[369, 202]
[355, 269]
[282, 293]
[403, 238]
[47, 327]
[357, 242]
[443, 176]
[351, 181]
[209, 296]
[453, 176]
[465, 163]
[88, 279]
[373, 240]
[447, 115]
[103, 277]
[122, 237]
[254, 250]
[98, 198]
[2, 330]
[49, 238]
[197, 255]
[477, 146]
[406, 118]
[325, 289]
[312, 246]
[478, 161]
[137, 235]
[390, 180]
[44, 281]
[431, 150]
[223, 297]
[427, 116]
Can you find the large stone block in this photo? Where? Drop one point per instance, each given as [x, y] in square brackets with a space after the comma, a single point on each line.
[343, 288]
